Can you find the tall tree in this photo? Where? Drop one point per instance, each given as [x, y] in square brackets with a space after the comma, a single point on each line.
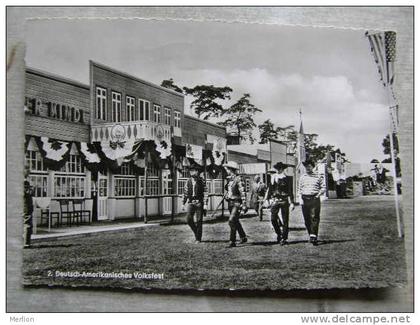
[267, 131]
[206, 99]
[240, 118]
[170, 84]
[387, 151]
[387, 145]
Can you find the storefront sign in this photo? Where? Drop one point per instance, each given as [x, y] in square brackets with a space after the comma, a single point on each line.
[54, 110]
[252, 169]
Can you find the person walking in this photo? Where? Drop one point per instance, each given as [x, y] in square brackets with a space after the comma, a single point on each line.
[258, 190]
[236, 198]
[280, 199]
[311, 187]
[195, 199]
[28, 209]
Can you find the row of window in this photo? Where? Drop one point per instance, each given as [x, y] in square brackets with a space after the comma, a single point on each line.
[70, 180]
[141, 113]
[74, 186]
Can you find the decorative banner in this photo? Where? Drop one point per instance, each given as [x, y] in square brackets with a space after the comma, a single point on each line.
[55, 153]
[163, 148]
[88, 151]
[54, 150]
[194, 152]
[219, 148]
[115, 150]
[90, 157]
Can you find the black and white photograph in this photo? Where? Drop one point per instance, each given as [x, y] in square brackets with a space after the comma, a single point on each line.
[192, 155]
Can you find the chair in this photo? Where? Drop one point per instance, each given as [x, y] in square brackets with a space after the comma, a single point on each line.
[67, 212]
[83, 209]
[47, 211]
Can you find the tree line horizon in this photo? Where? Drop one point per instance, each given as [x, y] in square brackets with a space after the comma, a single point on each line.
[239, 121]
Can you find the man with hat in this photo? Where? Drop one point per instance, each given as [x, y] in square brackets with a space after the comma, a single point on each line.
[28, 209]
[280, 194]
[236, 198]
[195, 199]
[311, 187]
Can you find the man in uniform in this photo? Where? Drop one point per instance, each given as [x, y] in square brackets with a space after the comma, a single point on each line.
[195, 199]
[236, 198]
[258, 190]
[280, 194]
[28, 209]
[311, 187]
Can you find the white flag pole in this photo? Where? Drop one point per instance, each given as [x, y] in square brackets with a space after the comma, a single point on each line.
[391, 104]
[393, 161]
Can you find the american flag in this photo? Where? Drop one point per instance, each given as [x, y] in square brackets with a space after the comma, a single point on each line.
[383, 47]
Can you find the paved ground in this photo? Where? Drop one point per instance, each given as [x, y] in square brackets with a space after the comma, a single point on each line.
[359, 248]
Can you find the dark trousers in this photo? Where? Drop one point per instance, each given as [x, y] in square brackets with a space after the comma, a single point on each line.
[27, 229]
[311, 209]
[195, 225]
[280, 225]
[234, 223]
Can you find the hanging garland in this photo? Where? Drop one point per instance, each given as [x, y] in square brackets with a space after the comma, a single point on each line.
[54, 152]
[90, 158]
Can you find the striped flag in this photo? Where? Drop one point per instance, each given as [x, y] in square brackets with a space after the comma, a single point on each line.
[383, 47]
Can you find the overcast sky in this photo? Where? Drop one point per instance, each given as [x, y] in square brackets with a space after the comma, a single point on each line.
[328, 73]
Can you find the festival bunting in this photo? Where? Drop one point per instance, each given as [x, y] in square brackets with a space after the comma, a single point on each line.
[55, 153]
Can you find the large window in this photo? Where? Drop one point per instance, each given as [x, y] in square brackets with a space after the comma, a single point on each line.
[144, 110]
[116, 107]
[181, 185]
[182, 179]
[69, 186]
[40, 185]
[124, 187]
[73, 165]
[131, 108]
[152, 171]
[177, 119]
[156, 113]
[126, 169]
[70, 181]
[167, 119]
[152, 186]
[34, 161]
[125, 182]
[100, 103]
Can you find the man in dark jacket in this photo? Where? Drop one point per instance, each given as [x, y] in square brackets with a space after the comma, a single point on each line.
[280, 199]
[236, 198]
[28, 209]
[195, 199]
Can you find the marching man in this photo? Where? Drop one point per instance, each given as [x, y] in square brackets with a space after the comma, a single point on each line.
[280, 194]
[311, 187]
[236, 198]
[195, 200]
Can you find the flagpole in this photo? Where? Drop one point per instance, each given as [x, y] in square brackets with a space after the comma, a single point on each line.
[394, 166]
[391, 140]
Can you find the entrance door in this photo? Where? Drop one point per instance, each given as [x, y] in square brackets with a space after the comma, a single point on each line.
[102, 197]
[166, 190]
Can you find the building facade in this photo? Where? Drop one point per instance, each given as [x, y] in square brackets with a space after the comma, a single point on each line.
[120, 141]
